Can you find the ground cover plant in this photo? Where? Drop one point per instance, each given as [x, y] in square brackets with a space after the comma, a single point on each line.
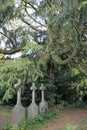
[5, 110]
[68, 127]
[65, 105]
[33, 123]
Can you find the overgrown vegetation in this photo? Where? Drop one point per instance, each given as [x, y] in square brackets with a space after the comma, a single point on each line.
[73, 106]
[39, 121]
[34, 123]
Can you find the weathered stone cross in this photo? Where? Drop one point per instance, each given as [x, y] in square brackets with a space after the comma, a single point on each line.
[18, 87]
[42, 88]
[43, 106]
[33, 88]
[18, 112]
[33, 108]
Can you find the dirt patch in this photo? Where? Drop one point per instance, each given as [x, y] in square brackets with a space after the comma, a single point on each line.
[66, 116]
[4, 118]
[5, 115]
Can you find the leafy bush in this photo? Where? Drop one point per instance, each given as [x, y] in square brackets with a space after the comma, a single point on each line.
[7, 126]
[65, 105]
[37, 121]
[77, 104]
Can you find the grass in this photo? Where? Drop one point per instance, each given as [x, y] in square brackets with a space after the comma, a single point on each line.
[5, 110]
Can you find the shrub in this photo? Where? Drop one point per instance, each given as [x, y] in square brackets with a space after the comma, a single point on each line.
[7, 126]
[37, 121]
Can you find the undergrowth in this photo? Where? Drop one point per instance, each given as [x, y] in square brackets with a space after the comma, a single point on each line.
[32, 123]
[73, 106]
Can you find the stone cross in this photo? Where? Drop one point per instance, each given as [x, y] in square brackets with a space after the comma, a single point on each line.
[43, 106]
[42, 88]
[18, 87]
[33, 108]
[33, 88]
[18, 112]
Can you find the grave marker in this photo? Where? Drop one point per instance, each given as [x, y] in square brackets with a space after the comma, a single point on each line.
[33, 108]
[18, 112]
[43, 106]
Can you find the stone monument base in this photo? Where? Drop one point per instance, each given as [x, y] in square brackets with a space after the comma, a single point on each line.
[18, 113]
[43, 106]
[32, 110]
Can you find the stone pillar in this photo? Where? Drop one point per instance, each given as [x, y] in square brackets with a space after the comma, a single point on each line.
[43, 106]
[18, 112]
[33, 108]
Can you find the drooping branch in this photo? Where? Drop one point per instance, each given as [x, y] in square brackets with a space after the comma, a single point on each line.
[12, 42]
[33, 18]
[77, 30]
[12, 51]
[31, 5]
[31, 26]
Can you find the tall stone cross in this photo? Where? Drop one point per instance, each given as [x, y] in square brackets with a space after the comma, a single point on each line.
[42, 88]
[18, 112]
[43, 106]
[33, 88]
[33, 108]
[18, 87]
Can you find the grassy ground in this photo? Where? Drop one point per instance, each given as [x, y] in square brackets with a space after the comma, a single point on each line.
[5, 110]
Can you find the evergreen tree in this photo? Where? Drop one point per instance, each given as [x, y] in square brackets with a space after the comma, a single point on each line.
[50, 33]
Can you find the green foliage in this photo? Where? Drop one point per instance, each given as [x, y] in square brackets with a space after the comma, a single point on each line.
[71, 85]
[63, 105]
[83, 125]
[7, 126]
[68, 127]
[82, 4]
[12, 70]
[56, 40]
[68, 89]
[5, 111]
[6, 10]
[37, 121]
[5, 4]
[76, 105]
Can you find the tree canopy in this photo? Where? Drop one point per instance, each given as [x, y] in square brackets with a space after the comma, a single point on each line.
[47, 32]
[58, 26]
